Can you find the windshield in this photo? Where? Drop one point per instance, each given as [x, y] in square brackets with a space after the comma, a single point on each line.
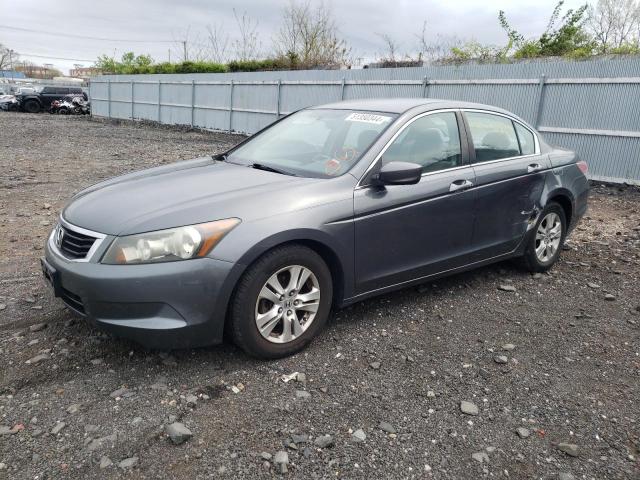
[314, 143]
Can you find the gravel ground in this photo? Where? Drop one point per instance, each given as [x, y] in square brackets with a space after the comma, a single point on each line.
[551, 367]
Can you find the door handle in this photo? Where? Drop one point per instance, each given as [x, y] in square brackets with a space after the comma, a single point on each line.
[534, 167]
[460, 185]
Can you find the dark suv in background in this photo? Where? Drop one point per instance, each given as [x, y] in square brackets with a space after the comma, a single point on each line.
[41, 99]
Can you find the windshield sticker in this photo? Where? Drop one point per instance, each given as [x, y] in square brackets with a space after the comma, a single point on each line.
[368, 118]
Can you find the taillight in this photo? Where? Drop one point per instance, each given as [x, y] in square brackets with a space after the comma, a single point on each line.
[582, 165]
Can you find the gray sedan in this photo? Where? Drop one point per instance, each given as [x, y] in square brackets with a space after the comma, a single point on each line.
[328, 206]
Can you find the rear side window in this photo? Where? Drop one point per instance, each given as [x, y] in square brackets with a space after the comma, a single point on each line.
[493, 136]
[527, 142]
[48, 90]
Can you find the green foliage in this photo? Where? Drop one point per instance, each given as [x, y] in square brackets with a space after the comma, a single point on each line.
[570, 38]
[565, 35]
[626, 49]
[131, 64]
[280, 63]
[473, 50]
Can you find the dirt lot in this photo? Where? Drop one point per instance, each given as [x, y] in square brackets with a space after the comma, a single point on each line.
[75, 403]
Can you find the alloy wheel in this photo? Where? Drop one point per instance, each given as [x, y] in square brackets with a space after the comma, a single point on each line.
[287, 304]
[548, 237]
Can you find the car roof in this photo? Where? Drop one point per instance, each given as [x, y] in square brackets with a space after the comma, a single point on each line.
[401, 105]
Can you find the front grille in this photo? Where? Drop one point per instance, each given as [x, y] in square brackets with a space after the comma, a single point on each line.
[75, 245]
[72, 300]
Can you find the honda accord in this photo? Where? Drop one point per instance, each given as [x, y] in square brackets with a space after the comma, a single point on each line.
[325, 207]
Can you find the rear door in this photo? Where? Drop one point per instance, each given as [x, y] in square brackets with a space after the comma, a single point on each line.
[510, 177]
[404, 232]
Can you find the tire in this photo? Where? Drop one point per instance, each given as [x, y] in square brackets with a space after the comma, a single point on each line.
[276, 268]
[63, 111]
[545, 231]
[32, 106]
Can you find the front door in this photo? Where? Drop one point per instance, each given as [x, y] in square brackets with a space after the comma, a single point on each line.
[405, 232]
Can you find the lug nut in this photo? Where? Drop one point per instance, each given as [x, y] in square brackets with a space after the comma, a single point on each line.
[296, 302]
[281, 297]
[289, 312]
[292, 293]
[280, 310]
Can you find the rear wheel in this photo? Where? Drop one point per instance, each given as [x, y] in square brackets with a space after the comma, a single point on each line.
[32, 106]
[281, 302]
[545, 244]
[63, 111]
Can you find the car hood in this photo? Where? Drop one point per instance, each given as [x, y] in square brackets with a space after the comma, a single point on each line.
[186, 193]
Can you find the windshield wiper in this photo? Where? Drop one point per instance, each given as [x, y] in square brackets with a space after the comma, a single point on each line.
[268, 168]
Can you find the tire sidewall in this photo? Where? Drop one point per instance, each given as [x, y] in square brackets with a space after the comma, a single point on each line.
[36, 109]
[243, 316]
[533, 259]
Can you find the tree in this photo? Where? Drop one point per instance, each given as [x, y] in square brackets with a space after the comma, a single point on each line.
[219, 44]
[309, 37]
[247, 45]
[129, 63]
[7, 58]
[570, 38]
[391, 48]
[436, 49]
[615, 23]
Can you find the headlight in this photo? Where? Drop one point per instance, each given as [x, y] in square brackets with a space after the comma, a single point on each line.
[169, 245]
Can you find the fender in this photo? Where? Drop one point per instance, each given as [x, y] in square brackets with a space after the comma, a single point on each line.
[340, 257]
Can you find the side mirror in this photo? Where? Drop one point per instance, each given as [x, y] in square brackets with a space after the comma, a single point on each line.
[399, 173]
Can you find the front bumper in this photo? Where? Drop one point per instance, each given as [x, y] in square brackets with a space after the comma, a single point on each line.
[164, 305]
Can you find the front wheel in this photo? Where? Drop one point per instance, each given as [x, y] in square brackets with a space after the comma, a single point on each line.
[545, 244]
[32, 106]
[282, 301]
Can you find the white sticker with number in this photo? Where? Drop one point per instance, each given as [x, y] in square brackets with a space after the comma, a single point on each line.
[368, 118]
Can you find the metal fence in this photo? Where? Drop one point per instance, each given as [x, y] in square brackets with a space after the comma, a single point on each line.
[591, 107]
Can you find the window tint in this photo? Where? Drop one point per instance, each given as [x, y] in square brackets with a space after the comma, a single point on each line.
[493, 136]
[48, 90]
[432, 141]
[527, 143]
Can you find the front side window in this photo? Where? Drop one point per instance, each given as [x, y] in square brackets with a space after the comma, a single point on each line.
[432, 141]
[318, 143]
[494, 136]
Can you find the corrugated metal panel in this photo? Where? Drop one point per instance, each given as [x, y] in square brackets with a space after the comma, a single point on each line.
[610, 104]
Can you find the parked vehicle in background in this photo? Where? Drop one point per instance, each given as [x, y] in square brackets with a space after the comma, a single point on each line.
[71, 105]
[9, 103]
[325, 207]
[41, 99]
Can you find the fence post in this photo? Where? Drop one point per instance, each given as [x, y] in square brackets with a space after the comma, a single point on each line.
[425, 86]
[540, 104]
[278, 99]
[159, 97]
[230, 105]
[132, 98]
[342, 89]
[193, 100]
[109, 98]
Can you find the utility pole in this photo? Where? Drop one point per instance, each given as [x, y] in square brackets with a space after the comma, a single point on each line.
[11, 62]
[184, 49]
[169, 55]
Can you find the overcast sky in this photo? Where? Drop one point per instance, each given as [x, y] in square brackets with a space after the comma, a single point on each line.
[158, 25]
